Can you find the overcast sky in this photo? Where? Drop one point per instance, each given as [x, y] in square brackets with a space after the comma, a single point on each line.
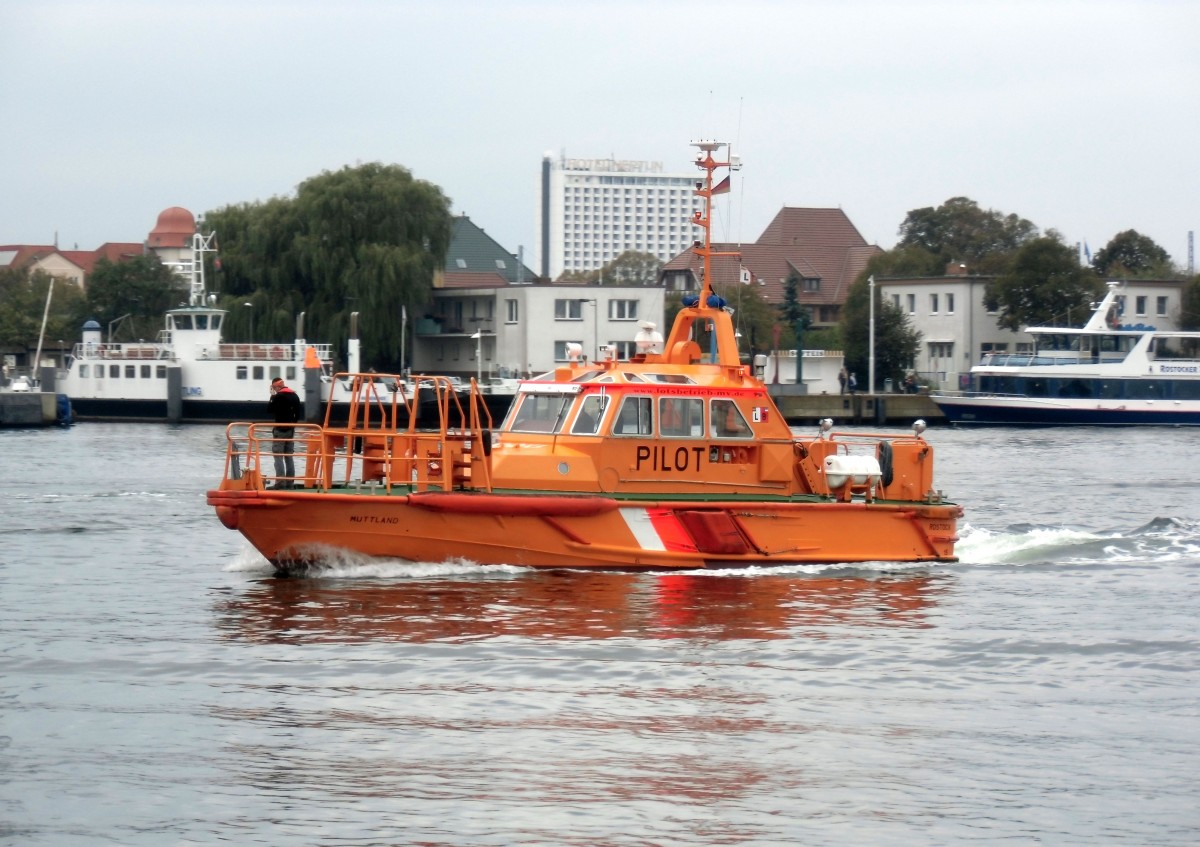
[1080, 116]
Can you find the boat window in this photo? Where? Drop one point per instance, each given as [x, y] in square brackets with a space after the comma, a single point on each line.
[634, 377]
[215, 322]
[145, 372]
[634, 417]
[83, 371]
[114, 371]
[540, 412]
[728, 421]
[182, 321]
[259, 373]
[160, 371]
[242, 372]
[671, 379]
[201, 321]
[586, 376]
[591, 414]
[681, 417]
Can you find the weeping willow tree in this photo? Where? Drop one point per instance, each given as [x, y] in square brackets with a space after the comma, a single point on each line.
[364, 239]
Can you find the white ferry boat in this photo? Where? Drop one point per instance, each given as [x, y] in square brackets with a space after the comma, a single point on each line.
[1104, 373]
[188, 373]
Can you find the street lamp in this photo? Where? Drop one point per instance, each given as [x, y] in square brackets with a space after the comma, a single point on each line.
[250, 306]
[595, 327]
[478, 336]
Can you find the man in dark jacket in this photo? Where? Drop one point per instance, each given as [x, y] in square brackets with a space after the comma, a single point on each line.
[285, 409]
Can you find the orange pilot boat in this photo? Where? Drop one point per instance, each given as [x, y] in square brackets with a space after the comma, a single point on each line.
[673, 459]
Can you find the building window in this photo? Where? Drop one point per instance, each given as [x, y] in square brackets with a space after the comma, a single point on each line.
[949, 303]
[912, 304]
[941, 349]
[462, 263]
[1140, 305]
[896, 301]
[933, 304]
[622, 310]
[1161, 307]
[512, 311]
[568, 310]
[812, 284]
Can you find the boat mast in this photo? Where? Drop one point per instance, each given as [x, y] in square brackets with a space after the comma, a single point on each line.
[706, 161]
[201, 244]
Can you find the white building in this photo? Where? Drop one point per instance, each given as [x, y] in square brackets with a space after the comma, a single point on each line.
[593, 210]
[488, 318]
[957, 329]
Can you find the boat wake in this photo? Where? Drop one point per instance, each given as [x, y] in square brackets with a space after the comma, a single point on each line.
[333, 563]
[1161, 540]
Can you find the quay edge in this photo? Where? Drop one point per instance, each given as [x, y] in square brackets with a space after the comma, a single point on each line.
[856, 409]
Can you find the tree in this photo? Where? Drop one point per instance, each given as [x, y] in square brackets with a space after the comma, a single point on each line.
[959, 230]
[753, 317]
[364, 239]
[141, 287]
[23, 303]
[1131, 255]
[1189, 313]
[1044, 285]
[896, 341]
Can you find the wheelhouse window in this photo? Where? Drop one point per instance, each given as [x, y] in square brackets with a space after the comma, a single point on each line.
[728, 421]
[635, 417]
[590, 415]
[680, 417]
[540, 412]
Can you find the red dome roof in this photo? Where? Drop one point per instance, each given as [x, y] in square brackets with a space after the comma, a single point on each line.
[175, 228]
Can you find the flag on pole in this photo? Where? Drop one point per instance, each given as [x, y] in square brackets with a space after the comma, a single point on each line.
[721, 187]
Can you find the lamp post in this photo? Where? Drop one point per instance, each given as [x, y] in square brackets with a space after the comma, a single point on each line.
[478, 336]
[595, 327]
[250, 306]
[871, 337]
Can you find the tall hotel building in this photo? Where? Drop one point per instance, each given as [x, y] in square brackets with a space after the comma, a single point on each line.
[593, 210]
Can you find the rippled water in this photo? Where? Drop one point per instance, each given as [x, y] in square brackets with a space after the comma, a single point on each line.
[160, 687]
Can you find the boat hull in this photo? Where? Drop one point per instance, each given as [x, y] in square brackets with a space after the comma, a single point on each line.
[1010, 411]
[295, 528]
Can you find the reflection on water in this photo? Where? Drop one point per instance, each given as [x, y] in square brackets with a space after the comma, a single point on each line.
[574, 604]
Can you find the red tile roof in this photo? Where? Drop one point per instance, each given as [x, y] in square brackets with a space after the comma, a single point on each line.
[815, 243]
